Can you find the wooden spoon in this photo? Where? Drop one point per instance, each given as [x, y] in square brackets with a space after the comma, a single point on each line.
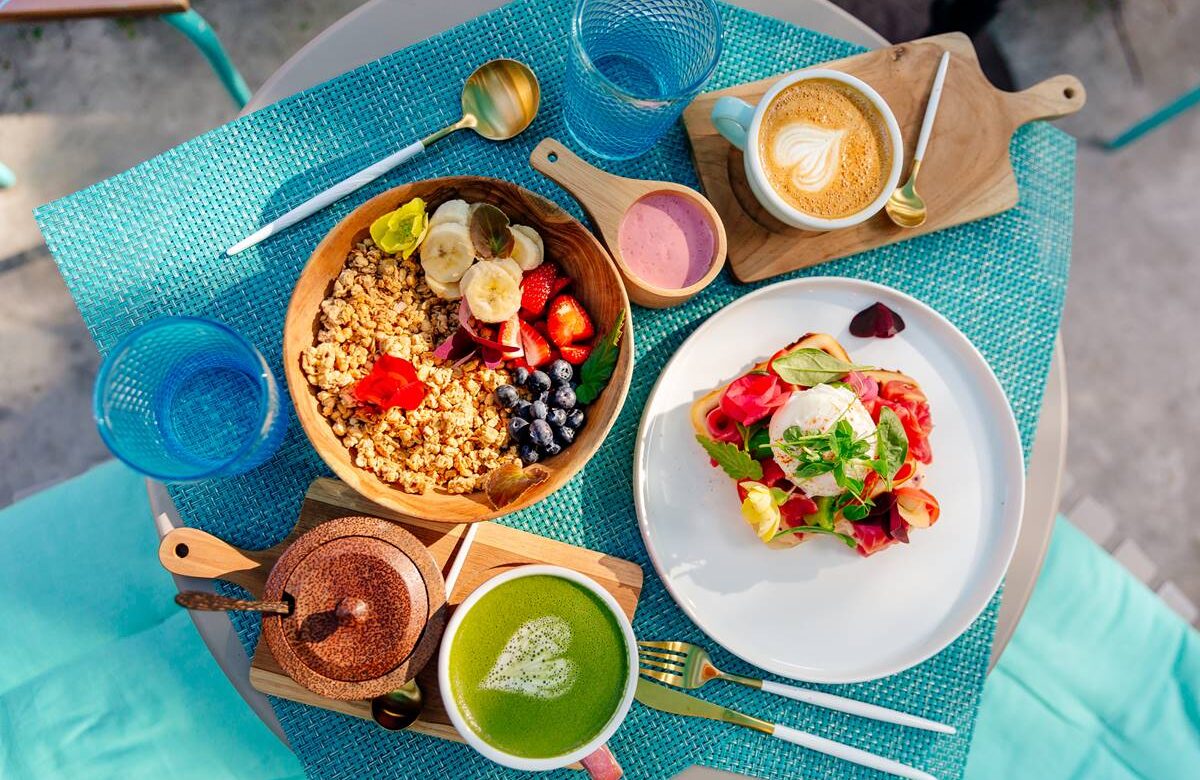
[607, 198]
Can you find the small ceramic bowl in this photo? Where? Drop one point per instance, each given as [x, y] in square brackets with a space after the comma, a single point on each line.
[567, 243]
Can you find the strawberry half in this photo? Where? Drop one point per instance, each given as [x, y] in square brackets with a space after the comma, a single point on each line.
[537, 287]
[567, 322]
[537, 351]
[576, 354]
[510, 336]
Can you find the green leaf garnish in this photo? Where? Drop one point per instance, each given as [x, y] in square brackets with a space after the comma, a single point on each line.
[812, 529]
[809, 367]
[598, 368]
[891, 444]
[780, 496]
[735, 461]
[490, 232]
[759, 444]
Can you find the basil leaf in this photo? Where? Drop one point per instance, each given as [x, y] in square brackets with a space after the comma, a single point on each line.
[810, 367]
[891, 442]
[732, 459]
[812, 529]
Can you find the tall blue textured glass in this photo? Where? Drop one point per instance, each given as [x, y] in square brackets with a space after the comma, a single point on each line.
[184, 398]
[634, 65]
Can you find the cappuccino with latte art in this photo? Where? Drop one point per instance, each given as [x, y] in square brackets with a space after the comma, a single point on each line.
[824, 148]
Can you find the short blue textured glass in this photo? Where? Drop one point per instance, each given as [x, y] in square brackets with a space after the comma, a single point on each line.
[185, 398]
[634, 65]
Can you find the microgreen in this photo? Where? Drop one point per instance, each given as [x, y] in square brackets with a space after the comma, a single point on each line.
[813, 529]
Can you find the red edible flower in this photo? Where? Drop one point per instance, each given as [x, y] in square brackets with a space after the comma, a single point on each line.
[391, 382]
[721, 427]
[752, 397]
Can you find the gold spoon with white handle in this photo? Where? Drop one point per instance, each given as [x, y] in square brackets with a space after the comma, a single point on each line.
[905, 206]
[499, 100]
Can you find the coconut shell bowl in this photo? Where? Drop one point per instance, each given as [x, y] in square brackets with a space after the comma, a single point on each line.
[597, 285]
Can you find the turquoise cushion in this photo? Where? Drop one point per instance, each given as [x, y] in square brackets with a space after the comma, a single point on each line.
[1100, 682]
[103, 676]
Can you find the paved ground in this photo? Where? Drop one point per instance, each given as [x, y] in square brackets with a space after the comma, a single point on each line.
[84, 100]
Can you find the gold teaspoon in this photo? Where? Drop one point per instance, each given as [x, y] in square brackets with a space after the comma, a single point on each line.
[499, 100]
[905, 206]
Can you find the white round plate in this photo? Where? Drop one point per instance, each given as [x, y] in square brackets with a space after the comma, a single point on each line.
[819, 611]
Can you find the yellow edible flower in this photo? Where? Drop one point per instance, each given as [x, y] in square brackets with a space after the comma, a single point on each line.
[760, 510]
[401, 231]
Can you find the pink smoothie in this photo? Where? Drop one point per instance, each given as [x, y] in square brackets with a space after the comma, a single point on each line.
[667, 240]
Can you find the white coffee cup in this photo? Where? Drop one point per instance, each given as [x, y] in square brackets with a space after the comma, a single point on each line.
[740, 123]
[595, 755]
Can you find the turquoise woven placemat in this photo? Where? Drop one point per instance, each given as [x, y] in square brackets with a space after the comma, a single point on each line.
[150, 242]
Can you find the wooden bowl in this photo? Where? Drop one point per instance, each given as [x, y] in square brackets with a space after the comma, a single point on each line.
[568, 243]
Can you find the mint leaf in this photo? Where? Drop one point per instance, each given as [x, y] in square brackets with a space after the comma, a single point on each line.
[812, 529]
[809, 367]
[735, 461]
[598, 368]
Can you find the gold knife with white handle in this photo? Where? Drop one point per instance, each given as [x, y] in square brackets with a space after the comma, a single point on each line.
[668, 700]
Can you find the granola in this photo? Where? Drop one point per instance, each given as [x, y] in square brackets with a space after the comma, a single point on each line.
[381, 304]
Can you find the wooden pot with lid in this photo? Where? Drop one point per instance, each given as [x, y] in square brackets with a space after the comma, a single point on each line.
[352, 609]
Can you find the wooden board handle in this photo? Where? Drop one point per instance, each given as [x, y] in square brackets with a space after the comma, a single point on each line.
[1050, 99]
[603, 195]
[190, 552]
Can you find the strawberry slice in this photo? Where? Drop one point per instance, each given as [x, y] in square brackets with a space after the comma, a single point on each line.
[537, 287]
[576, 354]
[537, 351]
[560, 284]
[510, 336]
[567, 322]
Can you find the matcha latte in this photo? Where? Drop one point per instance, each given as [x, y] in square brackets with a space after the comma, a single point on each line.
[538, 666]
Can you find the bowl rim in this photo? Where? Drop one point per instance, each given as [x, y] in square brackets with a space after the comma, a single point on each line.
[365, 482]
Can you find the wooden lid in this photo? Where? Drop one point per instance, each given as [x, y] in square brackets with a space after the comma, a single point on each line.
[368, 608]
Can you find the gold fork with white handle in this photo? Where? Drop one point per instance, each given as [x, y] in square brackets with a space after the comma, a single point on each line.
[689, 666]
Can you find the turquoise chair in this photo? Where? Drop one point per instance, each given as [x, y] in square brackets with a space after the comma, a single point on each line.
[182, 18]
[1159, 118]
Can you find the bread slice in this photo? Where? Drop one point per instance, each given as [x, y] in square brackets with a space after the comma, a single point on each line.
[703, 405]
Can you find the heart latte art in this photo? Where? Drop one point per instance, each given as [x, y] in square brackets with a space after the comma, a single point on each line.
[533, 661]
[812, 154]
[824, 148]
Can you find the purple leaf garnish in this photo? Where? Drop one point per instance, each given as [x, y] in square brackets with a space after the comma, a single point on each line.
[876, 320]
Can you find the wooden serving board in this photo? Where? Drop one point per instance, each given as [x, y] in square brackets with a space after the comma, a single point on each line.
[966, 174]
[496, 549]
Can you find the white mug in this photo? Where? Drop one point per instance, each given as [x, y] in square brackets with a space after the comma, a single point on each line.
[740, 123]
[595, 755]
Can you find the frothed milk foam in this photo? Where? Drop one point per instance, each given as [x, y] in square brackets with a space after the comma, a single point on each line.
[824, 148]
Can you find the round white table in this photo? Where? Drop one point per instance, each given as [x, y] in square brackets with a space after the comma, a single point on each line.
[380, 27]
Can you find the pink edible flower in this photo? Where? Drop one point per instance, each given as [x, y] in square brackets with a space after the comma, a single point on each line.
[866, 388]
[752, 397]
[721, 427]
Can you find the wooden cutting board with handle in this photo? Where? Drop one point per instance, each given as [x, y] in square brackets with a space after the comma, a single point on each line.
[496, 549]
[966, 174]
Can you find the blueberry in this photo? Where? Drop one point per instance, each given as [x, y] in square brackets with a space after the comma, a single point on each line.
[538, 411]
[538, 382]
[565, 434]
[576, 418]
[561, 372]
[557, 417]
[522, 408]
[553, 448]
[528, 453]
[544, 397]
[540, 433]
[521, 375]
[516, 426]
[564, 398]
[508, 396]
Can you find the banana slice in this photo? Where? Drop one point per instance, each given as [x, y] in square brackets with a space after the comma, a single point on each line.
[528, 249]
[507, 264]
[491, 291]
[450, 211]
[447, 252]
[446, 291]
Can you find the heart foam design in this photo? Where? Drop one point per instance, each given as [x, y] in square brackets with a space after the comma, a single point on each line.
[812, 153]
[532, 662]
